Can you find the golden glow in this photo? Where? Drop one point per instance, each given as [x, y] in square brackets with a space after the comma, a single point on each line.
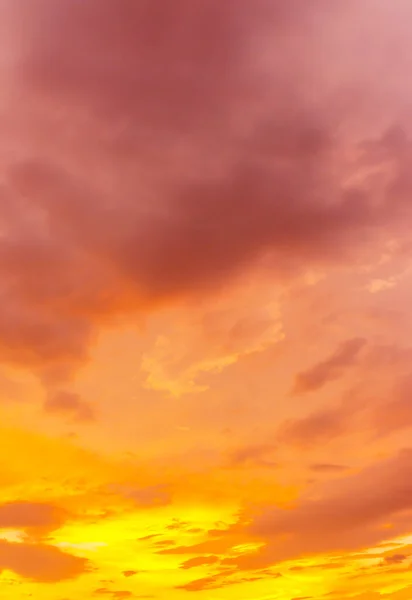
[205, 300]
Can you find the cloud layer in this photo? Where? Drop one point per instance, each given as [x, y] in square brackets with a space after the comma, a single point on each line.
[167, 150]
[205, 275]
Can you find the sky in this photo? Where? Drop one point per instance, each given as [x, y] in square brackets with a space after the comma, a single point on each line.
[205, 283]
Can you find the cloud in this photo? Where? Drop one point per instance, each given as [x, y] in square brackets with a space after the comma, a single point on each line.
[226, 577]
[162, 160]
[29, 515]
[199, 342]
[376, 406]
[328, 468]
[379, 285]
[393, 415]
[344, 357]
[130, 573]
[199, 561]
[39, 562]
[205, 583]
[147, 497]
[349, 513]
[253, 455]
[395, 559]
[11, 388]
[167, 151]
[69, 404]
[316, 428]
[117, 594]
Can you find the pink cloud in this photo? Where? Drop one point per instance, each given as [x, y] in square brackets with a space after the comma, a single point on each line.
[316, 428]
[166, 151]
[374, 403]
[344, 357]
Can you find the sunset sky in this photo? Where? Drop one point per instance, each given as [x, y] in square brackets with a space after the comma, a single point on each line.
[205, 310]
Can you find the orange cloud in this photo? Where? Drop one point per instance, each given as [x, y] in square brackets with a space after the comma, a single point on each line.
[350, 514]
[199, 561]
[28, 515]
[39, 562]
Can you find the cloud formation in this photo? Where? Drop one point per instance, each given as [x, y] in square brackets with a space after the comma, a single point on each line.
[331, 368]
[232, 178]
[70, 404]
[350, 514]
[316, 428]
[167, 150]
[39, 562]
[29, 515]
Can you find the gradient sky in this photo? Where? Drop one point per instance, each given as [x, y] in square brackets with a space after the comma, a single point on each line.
[205, 279]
